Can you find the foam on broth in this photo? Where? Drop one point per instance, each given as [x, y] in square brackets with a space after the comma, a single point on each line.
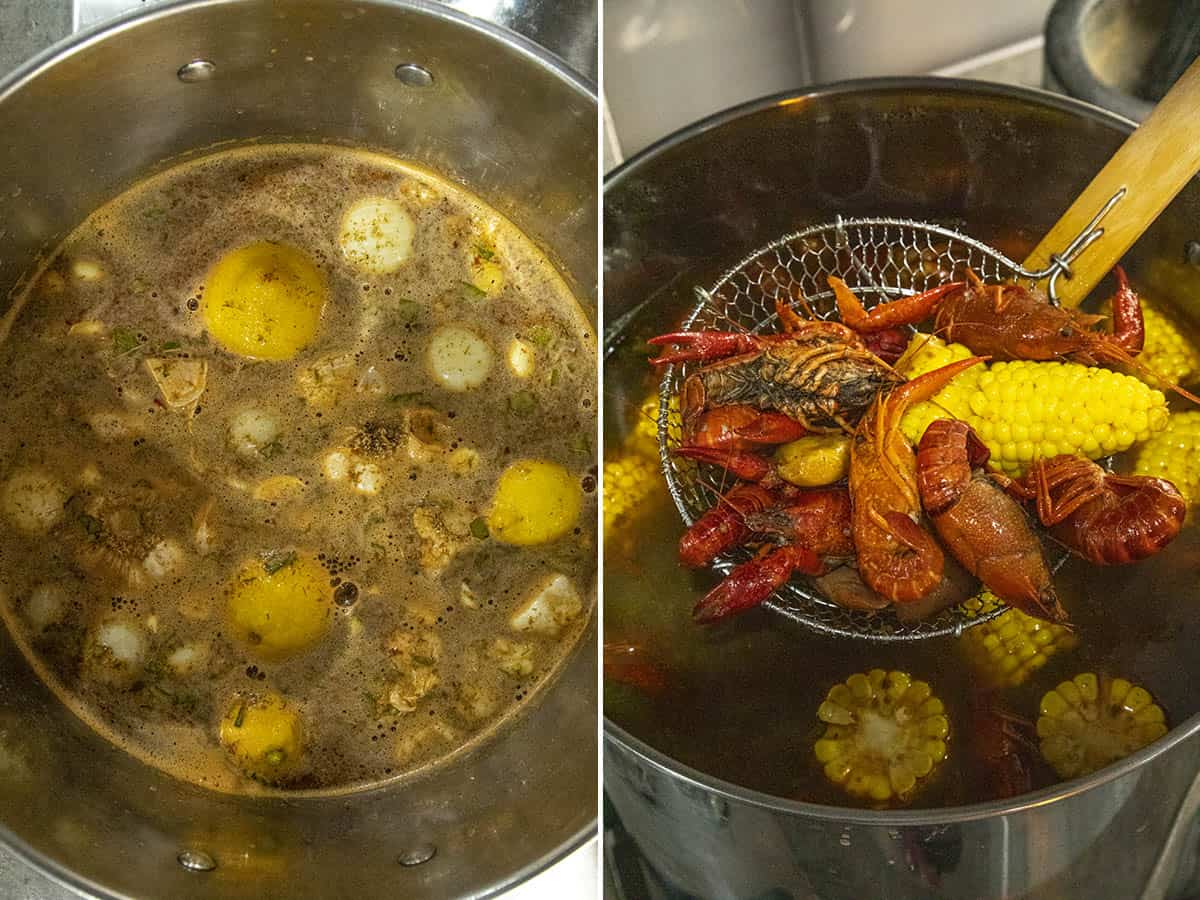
[418, 657]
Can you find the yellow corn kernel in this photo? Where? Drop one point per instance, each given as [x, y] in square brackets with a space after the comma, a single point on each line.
[1006, 650]
[1092, 721]
[884, 735]
[1174, 454]
[1022, 410]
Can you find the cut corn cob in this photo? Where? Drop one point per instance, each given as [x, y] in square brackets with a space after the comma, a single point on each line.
[885, 735]
[1168, 351]
[1174, 454]
[633, 476]
[1092, 721]
[1030, 410]
[1006, 650]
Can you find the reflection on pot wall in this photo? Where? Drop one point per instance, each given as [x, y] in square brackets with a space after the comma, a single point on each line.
[671, 62]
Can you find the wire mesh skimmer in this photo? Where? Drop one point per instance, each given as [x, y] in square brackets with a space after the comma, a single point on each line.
[880, 259]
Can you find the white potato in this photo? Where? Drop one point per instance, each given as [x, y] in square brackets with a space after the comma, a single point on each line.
[554, 602]
[377, 235]
[520, 358]
[367, 478]
[115, 652]
[33, 500]
[181, 381]
[252, 429]
[458, 359]
[46, 606]
[188, 658]
[336, 465]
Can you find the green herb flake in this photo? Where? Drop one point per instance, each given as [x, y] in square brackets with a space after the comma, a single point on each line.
[274, 560]
[240, 716]
[540, 335]
[479, 528]
[171, 347]
[580, 443]
[125, 341]
[471, 292]
[484, 252]
[522, 403]
[405, 399]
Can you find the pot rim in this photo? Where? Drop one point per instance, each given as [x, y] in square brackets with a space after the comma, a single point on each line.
[617, 736]
[84, 38]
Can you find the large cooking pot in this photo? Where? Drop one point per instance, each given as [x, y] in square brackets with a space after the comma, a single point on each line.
[485, 108]
[975, 155]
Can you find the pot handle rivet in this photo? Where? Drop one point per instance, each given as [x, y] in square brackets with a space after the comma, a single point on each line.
[1191, 253]
[196, 861]
[196, 70]
[414, 856]
[412, 75]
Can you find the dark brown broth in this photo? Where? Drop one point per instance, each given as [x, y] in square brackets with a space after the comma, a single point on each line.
[155, 244]
[741, 697]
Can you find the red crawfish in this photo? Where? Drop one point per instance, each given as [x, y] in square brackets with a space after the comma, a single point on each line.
[812, 524]
[986, 529]
[1107, 519]
[897, 557]
[819, 374]
[1009, 321]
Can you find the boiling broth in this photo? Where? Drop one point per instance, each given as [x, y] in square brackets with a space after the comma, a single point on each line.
[343, 490]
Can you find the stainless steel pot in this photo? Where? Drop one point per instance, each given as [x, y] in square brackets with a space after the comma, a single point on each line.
[979, 156]
[96, 113]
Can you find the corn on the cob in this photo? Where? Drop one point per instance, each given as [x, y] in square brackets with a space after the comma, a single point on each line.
[1029, 410]
[1174, 454]
[885, 734]
[1092, 721]
[1168, 352]
[1006, 650]
[633, 476]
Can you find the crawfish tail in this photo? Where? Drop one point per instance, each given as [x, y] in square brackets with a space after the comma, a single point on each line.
[947, 453]
[723, 526]
[910, 570]
[753, 582]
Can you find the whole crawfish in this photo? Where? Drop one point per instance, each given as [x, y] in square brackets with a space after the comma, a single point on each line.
[1009, 321]
[812, 525]
[1107, 519]
[985, 528]
[897, 557]
[818, 374]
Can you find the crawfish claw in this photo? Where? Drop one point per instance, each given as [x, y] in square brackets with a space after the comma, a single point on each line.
[753, 582]
[694, 345]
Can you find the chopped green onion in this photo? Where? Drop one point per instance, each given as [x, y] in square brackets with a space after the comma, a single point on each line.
[274, 560]
[580, 443]
[485, 252]
[405, 398]
[540, 335]
[471, 292]
[479, 528]
[240, 716]
[125, 341]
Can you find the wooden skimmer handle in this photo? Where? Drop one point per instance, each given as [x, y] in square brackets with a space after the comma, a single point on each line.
[1153, 165]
